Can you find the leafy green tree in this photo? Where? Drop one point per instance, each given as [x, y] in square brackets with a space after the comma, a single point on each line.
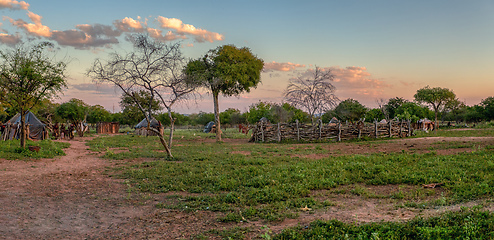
[180, 119]
[75, 111]
[412, 111]
[436, 97]
[374, 114]
[295, 114]
[488, 105]
[98, 113]
[27, 76]
[227, 70]
[130, 110]
[392, 105]
[202, 118]
[258, 111]
[227, 115]
[350, 110]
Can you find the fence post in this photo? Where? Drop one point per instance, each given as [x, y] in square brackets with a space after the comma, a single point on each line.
[320, 128]
[375, 129]
[279, 133]
[298, 131]
[390, 129]
[339, 132]
[358, 127]
[409, 129]
[262, 132]
[401, 125]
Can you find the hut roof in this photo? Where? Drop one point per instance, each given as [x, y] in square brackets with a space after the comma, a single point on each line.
[144, 123]
[31, 119]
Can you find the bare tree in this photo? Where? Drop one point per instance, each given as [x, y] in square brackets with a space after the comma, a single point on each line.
[154, 67]
[381, 103]
[312, 91]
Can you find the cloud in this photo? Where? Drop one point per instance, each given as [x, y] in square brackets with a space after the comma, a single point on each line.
[81, 40]
[169, 36]
[97, 30]
[357, 77]
[14, 5]
[200, 35]
[283, 67]
[129, 25]
[9, 39]
[36, 28]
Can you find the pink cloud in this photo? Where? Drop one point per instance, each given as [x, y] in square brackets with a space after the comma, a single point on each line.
[283, 67]
[200, 35]
[169, 36]
[9, 39]
[81, 40]
[129, 25]
[36, 28]
[13, 4]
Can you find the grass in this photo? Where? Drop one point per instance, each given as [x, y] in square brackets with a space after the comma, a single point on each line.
[270, 183]
[11, 149]
[466, 224]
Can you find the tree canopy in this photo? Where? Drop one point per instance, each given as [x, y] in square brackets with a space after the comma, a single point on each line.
[28, 76]
[227, 70]
[435, 97]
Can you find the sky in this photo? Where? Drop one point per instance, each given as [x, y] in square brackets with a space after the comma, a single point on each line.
[376, 49]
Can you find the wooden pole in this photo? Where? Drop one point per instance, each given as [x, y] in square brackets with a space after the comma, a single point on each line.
[375, 129]
[320, 128]
[298, 131]
[339, 132]
[262, 132]
[390, 129]
[279, 133]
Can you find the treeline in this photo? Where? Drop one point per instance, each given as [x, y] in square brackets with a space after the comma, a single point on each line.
[348, 110]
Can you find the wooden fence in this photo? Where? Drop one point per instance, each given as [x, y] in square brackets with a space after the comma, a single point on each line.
[265, 132]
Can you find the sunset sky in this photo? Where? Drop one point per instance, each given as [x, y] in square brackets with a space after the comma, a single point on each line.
[376, 49]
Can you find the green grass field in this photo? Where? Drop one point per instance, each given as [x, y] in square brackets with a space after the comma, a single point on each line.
[271, 182]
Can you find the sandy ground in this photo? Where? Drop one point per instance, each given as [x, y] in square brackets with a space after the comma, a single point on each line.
[72, 197]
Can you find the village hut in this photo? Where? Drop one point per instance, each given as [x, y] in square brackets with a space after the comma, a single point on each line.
[141, 127]
[107, 127]
[36, 129]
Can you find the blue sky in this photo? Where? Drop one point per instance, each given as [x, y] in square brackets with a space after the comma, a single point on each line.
[376, 49]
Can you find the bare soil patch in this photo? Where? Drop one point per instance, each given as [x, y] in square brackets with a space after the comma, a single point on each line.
[74, 197]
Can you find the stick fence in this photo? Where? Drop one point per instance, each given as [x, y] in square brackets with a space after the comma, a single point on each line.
[265, 132]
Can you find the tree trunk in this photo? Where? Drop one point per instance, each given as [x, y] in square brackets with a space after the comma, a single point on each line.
[172, 128]
[163, 142]
[23, 129]
[217, 116]
[435, 121]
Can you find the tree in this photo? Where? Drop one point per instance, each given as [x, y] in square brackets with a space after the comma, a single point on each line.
[227, 70]
[76, 112]
[313, 92]
[350, 110]
[98, 113]
[488, 105]
[130, 110]
[258, 111]
[154, 67]
[392, 105]
[436, 97]
[27, 77]
[374, 114]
